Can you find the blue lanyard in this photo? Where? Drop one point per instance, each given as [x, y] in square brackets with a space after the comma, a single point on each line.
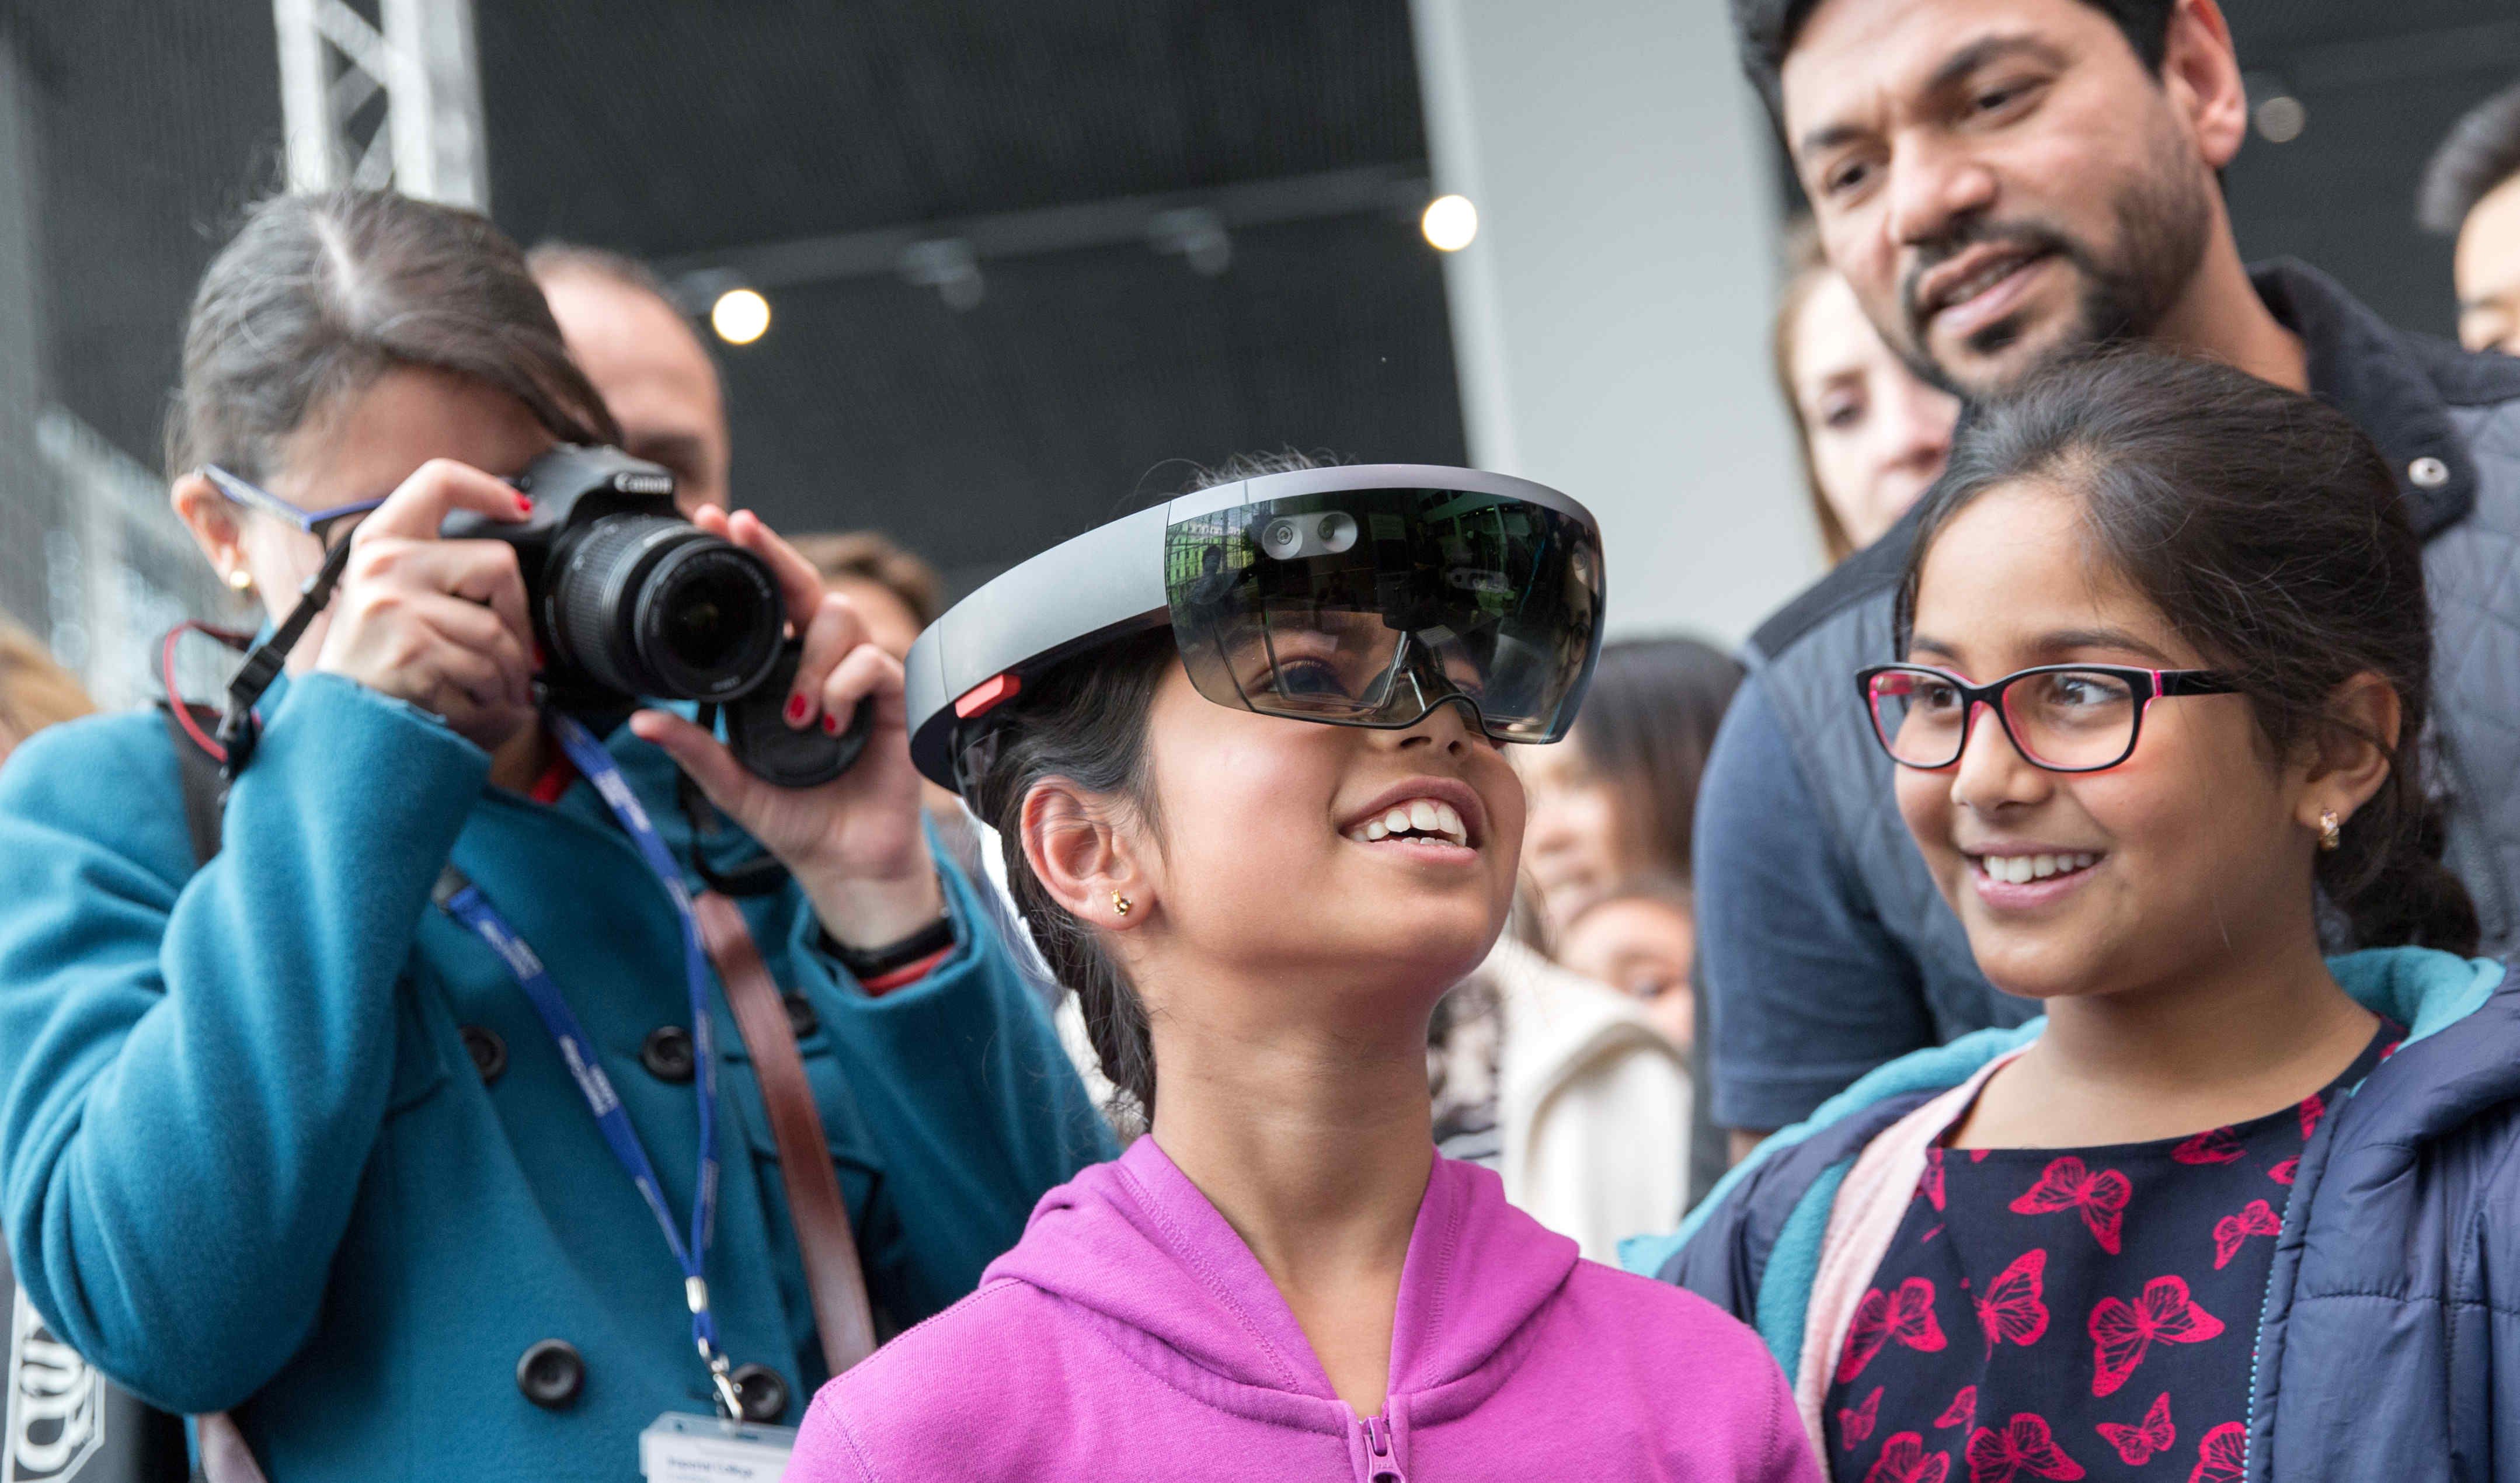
[463, 901]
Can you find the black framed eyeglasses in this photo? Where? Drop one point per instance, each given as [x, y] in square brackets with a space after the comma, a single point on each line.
[327, 526]
[2065, 718]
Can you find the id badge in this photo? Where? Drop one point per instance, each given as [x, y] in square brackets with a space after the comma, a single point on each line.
[692, 1449]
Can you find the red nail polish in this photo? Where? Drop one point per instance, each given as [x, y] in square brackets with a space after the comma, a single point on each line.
[795, 709]
[830, 724]
[525, 506]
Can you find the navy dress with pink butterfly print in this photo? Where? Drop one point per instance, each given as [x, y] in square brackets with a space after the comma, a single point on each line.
[2053, 1313]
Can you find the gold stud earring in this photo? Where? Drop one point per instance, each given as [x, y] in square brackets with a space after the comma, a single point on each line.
[241, 579]
[1120, 904]
[2331, 830]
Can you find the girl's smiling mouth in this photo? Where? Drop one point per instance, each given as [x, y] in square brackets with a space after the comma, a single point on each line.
[2018, 878]
[1434, 815]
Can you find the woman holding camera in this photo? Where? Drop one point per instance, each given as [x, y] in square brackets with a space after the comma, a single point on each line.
[283, 1136]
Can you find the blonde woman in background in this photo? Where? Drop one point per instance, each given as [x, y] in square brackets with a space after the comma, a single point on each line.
[34, 692]
[1871, 435]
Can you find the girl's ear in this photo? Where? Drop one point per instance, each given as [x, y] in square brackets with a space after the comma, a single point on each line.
[1082, 859]
[2353, 758]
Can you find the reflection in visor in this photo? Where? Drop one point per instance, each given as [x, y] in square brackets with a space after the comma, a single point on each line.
[1372, 606]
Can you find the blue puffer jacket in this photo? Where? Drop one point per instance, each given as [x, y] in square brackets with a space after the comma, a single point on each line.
[2389, 1344]
[247, 1162]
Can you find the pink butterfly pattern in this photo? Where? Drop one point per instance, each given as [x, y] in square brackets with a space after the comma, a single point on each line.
[1903, 1460]
[2024, 1448]
[2213, 1145]
[2257, 1218]
[1906, 1315]
[1961, 1412]
[2065, 1185]
[2013, 1307]
[2222, 1455]
[2136, 1445]
[1981, 1243]
[1855, 1424]
[2123, 1332]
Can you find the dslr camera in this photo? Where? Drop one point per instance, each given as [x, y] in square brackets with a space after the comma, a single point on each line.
[631, 602]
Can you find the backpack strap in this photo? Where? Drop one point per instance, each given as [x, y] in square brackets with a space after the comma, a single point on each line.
[206, 792]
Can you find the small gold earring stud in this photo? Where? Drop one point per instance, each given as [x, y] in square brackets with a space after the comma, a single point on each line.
[1120, 904]
[2331, 830]
[240, 579]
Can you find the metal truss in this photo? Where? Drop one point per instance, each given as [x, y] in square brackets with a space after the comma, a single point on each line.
[418, 58]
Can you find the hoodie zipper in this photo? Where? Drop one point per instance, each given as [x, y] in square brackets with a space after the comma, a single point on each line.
[1381, 1464]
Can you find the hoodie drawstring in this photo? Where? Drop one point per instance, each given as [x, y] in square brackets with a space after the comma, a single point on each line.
[1381, 1464]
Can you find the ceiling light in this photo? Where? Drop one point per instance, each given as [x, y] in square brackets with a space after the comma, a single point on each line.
[1449, 222]
[739, 316]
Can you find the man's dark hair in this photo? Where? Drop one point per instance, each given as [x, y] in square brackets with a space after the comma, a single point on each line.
[1767, 29]
[2480, 154]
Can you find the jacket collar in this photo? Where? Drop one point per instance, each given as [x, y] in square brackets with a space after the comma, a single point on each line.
[2381, 377]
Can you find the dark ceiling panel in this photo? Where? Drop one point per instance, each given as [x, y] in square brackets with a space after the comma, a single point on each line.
[984, 436]
[678, 128]
[2381, 85]
[156, 123]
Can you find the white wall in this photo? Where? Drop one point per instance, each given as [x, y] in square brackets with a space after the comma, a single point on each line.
[1610, 320]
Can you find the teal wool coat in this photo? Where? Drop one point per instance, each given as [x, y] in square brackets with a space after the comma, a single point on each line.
[247, 1164]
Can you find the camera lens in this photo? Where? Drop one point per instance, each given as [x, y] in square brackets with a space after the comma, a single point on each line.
[653, 606]
[1280, 538]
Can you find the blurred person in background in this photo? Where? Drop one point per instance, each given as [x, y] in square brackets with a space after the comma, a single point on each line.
[1618, 799]
[634, 344]
[1872, 434]
[2471, 192]
[1577, 1093]
[896, 594]
[1640, 938]
[34, 691]
[281, 1136]
[2006, 185]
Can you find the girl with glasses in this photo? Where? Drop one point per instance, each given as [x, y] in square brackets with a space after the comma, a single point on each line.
[2235, 1208]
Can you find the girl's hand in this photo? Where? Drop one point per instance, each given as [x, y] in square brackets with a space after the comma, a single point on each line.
[855, 845]
[438, 623]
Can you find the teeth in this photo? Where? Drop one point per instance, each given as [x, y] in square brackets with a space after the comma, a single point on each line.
[1426, 816]
[2021, 870]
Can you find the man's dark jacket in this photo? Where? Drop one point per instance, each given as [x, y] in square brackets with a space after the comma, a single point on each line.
[2449, 424]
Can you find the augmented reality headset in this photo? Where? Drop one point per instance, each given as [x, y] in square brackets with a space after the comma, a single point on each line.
[1362, 596]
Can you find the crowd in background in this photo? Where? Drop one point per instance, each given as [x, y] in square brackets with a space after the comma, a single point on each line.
[1722, 925]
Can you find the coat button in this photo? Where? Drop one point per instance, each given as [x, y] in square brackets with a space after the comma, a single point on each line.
[802, 1022]
[2428, 473]
[489, 1051]
[761, 1393]
[552, 1373]
[667, 1053]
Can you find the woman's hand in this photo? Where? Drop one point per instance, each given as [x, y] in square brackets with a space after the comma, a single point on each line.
[438, 623]
[855, 845]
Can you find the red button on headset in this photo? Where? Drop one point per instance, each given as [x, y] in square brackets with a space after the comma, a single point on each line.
[989, 693]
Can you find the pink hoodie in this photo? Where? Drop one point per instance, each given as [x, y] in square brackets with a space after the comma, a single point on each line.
[1132, 1336]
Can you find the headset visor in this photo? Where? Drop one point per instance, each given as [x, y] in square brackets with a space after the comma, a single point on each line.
[1372, 606]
